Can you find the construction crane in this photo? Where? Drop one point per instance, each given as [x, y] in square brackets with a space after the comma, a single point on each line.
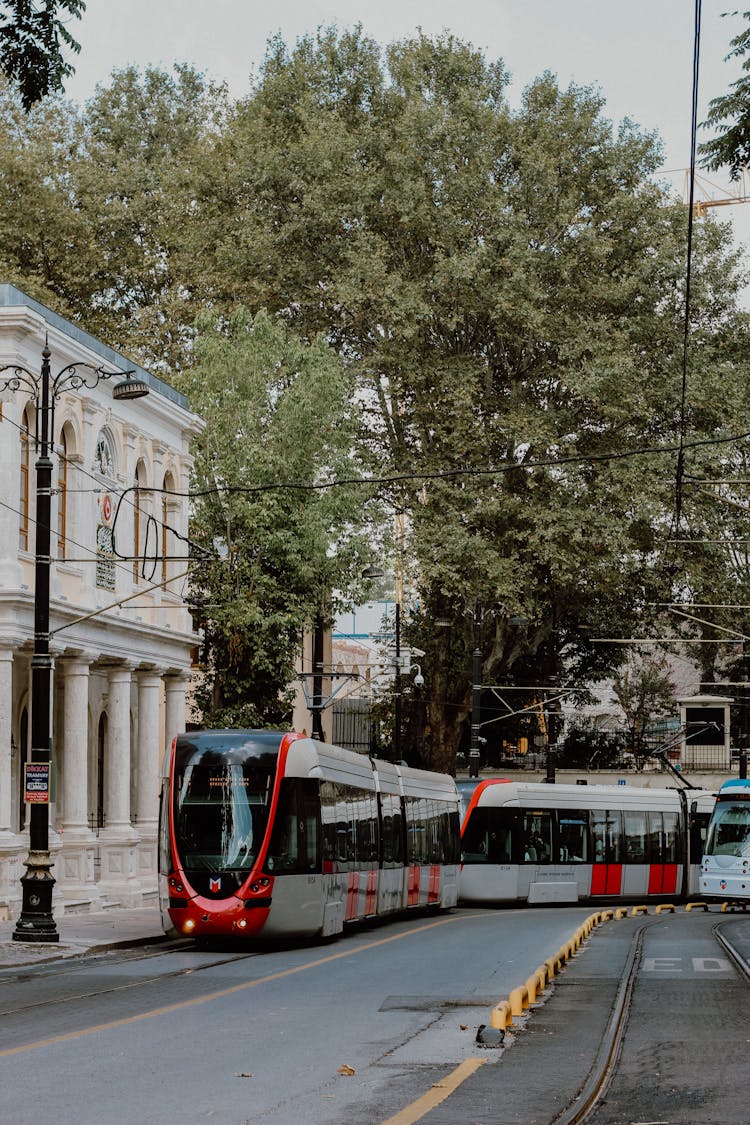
[706, 187]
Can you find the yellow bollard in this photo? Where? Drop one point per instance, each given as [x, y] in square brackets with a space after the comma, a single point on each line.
[607, 915]
[697, 906]
[535, 984]
[518, 1000]
[621, 912]
[638, 910]
[501, 1016]
[664, 906]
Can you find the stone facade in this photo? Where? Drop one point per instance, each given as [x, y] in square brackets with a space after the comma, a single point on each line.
[121, 634]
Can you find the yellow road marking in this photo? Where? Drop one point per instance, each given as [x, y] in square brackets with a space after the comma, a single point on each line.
[439, 1092]
[167, 1009]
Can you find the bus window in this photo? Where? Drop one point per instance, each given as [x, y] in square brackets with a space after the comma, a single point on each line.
[636, 836]
[573, 836]
[536, 836]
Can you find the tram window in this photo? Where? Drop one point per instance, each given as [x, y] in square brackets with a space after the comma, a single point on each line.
[537, 836]
[606, 836]
[698, 833]
[367, 829]
[453, 854]
[730, 830]
[636, 836]
[328, 819]
[671, 838]
[294, 846]
[573, 836]
[391, 829]
[475, 839]
[416, 830]
[491, 836]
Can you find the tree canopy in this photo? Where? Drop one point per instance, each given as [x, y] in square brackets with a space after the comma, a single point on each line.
[495, 296]
[32, 40]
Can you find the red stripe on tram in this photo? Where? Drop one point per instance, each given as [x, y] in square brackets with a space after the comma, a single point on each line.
[352, 895]
[433, 894]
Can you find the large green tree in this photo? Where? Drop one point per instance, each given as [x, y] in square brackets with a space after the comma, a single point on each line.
[276, 410]
[509, 286]
[504, 287]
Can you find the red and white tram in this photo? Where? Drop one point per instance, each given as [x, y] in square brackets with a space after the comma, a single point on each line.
[542, 843]
[271, 834]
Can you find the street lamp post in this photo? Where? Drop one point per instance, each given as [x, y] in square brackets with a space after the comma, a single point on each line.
[36, 922]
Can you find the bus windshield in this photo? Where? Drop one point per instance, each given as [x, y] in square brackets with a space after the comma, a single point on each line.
[729, 833]
[222, 793]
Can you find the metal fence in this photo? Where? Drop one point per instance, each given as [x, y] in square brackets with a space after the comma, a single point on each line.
[352, 725]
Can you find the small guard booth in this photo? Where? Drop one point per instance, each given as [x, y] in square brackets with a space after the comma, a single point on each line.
[705, 725]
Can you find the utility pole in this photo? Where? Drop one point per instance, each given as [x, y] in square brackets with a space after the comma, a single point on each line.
[475, 753]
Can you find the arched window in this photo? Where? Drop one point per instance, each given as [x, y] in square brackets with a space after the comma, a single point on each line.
[23, 498]
[139, 521]
[104, 466]
[62, 495]
[167, 504]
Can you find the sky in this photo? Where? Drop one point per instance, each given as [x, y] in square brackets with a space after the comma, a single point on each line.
[639, 52]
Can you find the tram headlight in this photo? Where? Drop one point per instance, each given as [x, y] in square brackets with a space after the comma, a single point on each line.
[241, 924]
[188, 926]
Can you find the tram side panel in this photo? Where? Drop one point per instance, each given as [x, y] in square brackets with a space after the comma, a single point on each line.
[526, 842]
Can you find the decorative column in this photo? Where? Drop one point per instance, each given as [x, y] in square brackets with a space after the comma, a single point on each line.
[10, 486]
[11, 847]
[6, 733]
[118, 840]
[147, 774]
[175, 687]
[76, 862]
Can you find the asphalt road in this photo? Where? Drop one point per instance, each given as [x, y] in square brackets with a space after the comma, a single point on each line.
[365, 1030]
[208, 1035]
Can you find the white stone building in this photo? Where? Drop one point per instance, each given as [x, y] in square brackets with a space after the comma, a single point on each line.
[121, 633]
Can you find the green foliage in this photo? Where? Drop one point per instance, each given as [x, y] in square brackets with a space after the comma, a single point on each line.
[32, 37]
[644, 689]
[504, 294]
[276, 410]
[730, 114]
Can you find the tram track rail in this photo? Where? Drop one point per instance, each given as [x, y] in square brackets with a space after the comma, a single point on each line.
[587, 1101]
[83, 964]
[605, 1063]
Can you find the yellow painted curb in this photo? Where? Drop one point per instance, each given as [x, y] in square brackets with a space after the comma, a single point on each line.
[664, 906]
[606, 915]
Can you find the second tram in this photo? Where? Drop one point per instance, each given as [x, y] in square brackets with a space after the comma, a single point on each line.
[725, 869]
[270, 834]
[540, 843]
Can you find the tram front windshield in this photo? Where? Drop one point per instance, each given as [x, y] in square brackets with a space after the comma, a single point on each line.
[729, 833]
[222, 794]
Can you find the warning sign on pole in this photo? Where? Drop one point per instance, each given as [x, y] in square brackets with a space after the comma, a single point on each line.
[36, 783]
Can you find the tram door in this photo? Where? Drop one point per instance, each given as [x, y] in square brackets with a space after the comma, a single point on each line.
[606, 837]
